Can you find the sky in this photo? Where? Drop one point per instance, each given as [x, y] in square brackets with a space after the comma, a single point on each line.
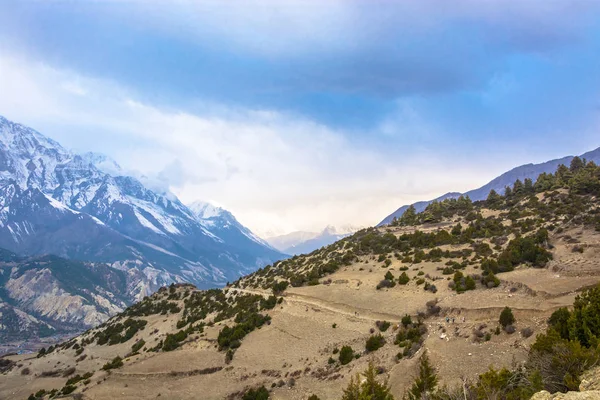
[295, 115]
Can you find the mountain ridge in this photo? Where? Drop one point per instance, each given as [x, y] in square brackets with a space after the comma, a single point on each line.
[522, 172]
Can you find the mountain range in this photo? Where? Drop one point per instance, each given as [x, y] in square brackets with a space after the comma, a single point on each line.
[84, 207]
[527, 171]
[302, 242]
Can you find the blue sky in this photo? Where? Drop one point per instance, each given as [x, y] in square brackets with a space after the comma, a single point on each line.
[296, 114]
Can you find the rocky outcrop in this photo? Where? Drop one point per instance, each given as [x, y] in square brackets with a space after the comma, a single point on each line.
[589, 389]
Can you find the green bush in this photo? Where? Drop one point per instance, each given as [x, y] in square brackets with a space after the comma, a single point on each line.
[403, 279]
[375, 342]
[506, 317]
[367, 388]
[346, 355]
[256, 394]
[116, 362]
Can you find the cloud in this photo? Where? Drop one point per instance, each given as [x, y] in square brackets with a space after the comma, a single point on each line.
[286, 53]
[273, 170]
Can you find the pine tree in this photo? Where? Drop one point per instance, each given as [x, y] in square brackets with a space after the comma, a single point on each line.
[506, 317]
[370, 389]
[409, 217]
[494, 200]
[576, 164]
[425, 383]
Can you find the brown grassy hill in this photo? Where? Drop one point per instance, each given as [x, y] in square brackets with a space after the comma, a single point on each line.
[436, 281]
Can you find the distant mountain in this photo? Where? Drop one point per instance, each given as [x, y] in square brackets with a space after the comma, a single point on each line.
[46, 295]
[531, 171]
[223, 224]
[306, 242]
[53, 201]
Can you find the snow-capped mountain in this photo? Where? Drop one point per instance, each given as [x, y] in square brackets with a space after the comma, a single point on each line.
[223, 224]
[103, 163]
[53, 201]
[306, 242]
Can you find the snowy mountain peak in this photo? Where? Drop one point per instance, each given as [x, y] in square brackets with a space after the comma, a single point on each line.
[83, 206]
[25, 140]
[340, 230]
[204, 210]
[103, 162]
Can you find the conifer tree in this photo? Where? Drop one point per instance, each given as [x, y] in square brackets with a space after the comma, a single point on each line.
[369, 389]
[425, 383]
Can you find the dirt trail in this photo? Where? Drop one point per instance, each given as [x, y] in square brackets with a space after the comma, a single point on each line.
[338, 308]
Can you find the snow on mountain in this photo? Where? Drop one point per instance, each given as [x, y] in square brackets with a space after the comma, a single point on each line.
[83, 206]
[103, 163]
[205, 211]
[224, 225]
[306, 242]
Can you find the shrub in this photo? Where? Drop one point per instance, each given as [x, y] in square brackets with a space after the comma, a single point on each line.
[279, 287]
[403, 279]
[375, 342]
[559, 321]
[367, 388]
[383, 325]
[526, 332]
[385, 284]
[506, 317]
[469, 283]
[510, 329]
[116, 362]
[346, 355]
[256, 394]
[406, 320]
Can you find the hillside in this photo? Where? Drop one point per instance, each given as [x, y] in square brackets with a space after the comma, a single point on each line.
[521, 173]
[434, 282]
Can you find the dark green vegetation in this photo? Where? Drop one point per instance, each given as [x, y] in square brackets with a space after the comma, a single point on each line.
[517, 233]
[506, 317]
[119, 332]
[116, 362]
[410, 336]
[375, 342]
[346, 355]
[367, 388]
[256, 394]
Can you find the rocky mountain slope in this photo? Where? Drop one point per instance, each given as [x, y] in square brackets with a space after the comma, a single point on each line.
[306, 242]
[47, 295]
[53, 201]
[439, 283]
[528, 171]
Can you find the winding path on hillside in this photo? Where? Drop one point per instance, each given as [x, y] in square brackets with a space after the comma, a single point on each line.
[335, 307]
[370, 315]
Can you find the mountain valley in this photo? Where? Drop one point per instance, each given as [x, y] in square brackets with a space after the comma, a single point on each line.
[437, 282]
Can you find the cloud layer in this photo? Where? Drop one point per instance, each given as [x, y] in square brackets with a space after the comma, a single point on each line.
[299, 114]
